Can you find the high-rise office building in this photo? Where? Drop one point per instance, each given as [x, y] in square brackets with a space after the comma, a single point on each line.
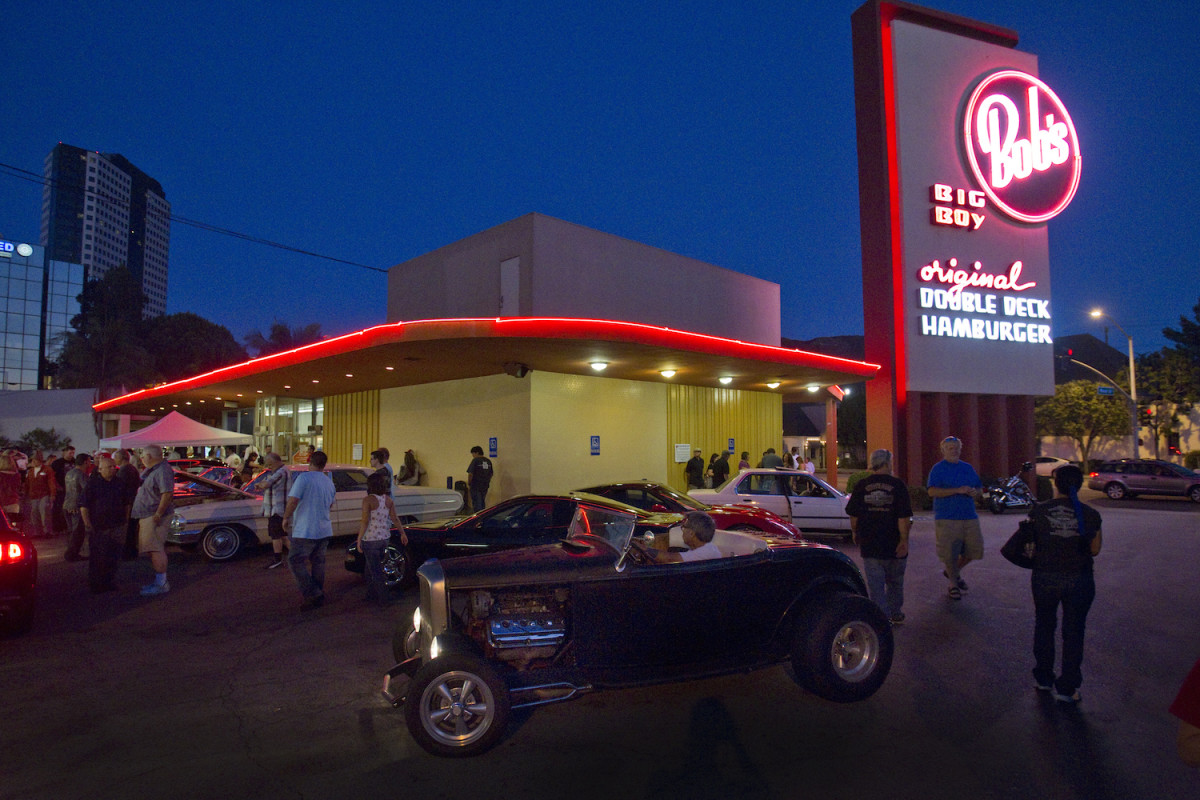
[101, 211]
[38, 298]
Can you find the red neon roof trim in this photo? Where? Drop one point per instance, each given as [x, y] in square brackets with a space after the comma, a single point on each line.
[497, 327]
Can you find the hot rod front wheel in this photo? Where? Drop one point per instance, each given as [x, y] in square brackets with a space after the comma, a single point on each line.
[843, 648]
[457, 706]
[406, 642]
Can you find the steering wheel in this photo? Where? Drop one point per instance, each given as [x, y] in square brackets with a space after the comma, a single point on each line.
[635, 552]
[638, 552]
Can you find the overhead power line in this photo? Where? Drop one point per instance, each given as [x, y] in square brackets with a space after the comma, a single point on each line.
[42, 180]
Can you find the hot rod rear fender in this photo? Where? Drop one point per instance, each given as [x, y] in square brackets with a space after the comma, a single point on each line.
[820, 590]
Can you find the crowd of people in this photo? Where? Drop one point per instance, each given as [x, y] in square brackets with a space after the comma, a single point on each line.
[698, 475]
[119, 506]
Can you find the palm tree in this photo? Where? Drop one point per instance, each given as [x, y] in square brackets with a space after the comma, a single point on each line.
[282, 337]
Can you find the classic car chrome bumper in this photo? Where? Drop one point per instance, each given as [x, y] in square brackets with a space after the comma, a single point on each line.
[183, 537]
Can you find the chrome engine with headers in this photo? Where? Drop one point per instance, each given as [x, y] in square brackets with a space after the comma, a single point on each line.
[519, 626]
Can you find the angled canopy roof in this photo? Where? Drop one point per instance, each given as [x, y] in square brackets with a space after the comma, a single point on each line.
[430, 351]
[176, 430]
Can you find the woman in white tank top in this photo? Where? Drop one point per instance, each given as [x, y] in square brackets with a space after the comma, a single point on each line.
[374, 533]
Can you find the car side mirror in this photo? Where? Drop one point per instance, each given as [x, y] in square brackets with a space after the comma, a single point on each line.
[659, 507]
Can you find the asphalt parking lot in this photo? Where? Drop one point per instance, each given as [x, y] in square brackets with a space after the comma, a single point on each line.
[224, 689]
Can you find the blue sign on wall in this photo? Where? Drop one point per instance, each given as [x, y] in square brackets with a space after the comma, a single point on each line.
[731, 449]
[595, 445]
[493, 446]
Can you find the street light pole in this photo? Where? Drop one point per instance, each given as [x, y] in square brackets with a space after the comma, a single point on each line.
[1097, 313]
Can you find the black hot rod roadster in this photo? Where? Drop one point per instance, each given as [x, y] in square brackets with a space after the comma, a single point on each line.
[541, 624]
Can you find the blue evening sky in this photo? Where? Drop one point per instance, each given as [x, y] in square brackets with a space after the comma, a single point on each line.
[378, 131]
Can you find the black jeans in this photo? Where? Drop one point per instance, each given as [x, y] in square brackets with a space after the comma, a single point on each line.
[1074, 591]
[104, 555]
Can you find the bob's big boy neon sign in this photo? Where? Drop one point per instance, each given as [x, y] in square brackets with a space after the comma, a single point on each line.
[1021, 145]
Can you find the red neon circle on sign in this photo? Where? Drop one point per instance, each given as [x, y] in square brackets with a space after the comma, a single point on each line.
[1022, 146]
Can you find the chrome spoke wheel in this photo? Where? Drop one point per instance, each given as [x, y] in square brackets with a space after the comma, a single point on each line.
[457, 708]
[855, 651]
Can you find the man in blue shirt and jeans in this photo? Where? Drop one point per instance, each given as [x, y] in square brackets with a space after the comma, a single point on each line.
[953, 485]
[306, 520]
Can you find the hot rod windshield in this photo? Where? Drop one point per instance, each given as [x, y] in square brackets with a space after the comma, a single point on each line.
[614, 527]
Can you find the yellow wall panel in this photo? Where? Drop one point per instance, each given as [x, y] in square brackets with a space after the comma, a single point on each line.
[706, 418]
[351, 419]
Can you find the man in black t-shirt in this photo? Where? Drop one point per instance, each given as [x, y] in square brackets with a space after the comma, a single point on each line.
[720, 470]
[694, 469]
[479, 478]
[1066, 539]
[880, 518]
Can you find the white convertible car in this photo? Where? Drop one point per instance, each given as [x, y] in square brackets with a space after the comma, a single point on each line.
[222, 520]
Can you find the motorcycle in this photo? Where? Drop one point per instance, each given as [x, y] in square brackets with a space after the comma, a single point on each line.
[1009, 495]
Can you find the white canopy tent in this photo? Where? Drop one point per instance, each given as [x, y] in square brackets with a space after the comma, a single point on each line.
[176, 430]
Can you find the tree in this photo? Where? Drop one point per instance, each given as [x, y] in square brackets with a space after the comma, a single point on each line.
[186, 344]
[1078, 412]
[1187, 338]
[1168, 389]
[105, 350]
[44, 440]
[113, 348]
[282, 337]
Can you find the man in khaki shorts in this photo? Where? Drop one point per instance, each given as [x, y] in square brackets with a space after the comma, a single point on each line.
[153, 507]
[953, 485]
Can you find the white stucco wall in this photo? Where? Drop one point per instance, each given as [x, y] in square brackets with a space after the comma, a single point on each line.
[441, 422]
[67, 411]
[570, 270]
[630, 417]
[544, 419]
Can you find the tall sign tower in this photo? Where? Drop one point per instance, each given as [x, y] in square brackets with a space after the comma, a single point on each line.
[964, 155]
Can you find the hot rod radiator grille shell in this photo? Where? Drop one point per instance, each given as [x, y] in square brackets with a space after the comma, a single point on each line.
[526, 631]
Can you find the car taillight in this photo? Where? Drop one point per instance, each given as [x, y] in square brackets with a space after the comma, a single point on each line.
[12, 551]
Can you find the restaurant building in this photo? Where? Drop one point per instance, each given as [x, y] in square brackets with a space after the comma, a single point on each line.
[570, 355]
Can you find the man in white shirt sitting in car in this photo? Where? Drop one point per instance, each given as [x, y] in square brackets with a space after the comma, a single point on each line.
[698, 531]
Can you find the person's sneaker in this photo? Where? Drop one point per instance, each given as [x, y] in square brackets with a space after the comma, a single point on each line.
[955, 593]
[276, 563]
[153, 589]
[898, 618]
[962, 585]
[1044, 687]
[1067, 698]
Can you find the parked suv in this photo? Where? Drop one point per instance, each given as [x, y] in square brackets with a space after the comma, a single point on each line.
[1129, 477]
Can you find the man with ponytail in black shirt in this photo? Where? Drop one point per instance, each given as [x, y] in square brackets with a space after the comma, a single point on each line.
[1066, 537]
